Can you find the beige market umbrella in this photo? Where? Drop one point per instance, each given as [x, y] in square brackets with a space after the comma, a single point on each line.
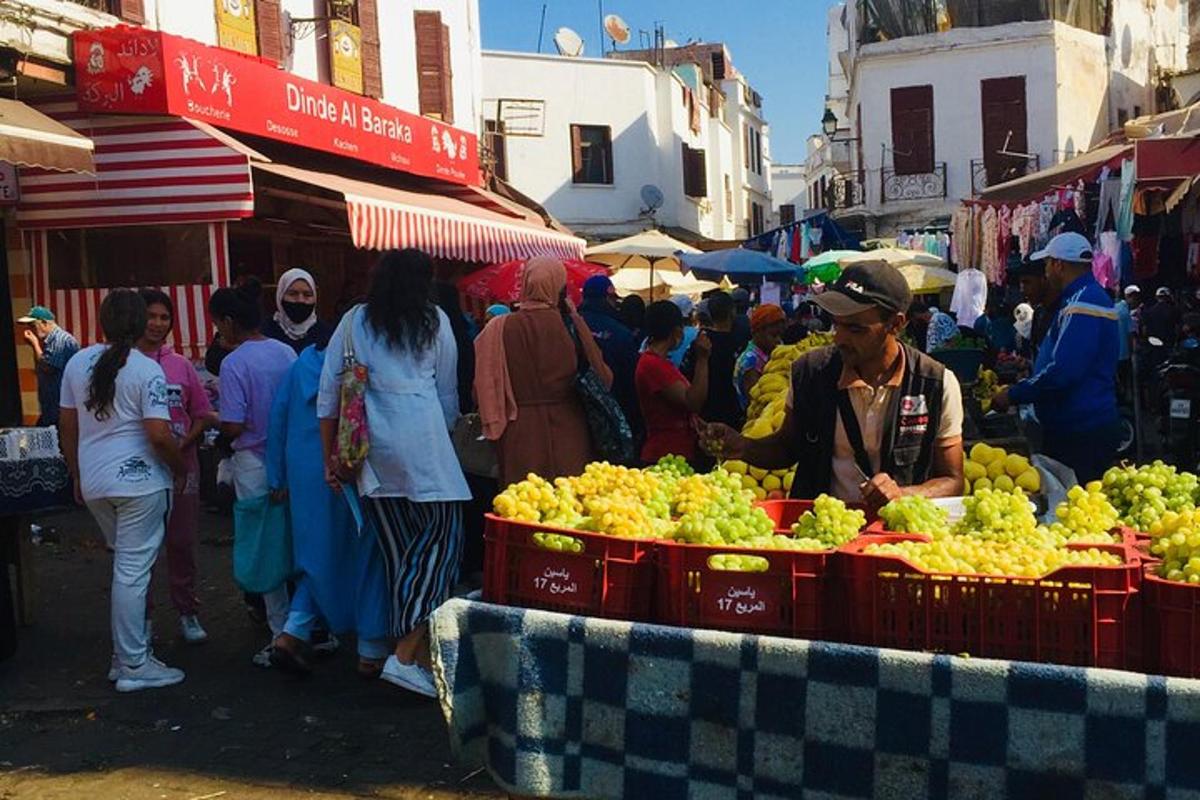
[895, 256]
[658, 284]
[650, 249]
[928, 280]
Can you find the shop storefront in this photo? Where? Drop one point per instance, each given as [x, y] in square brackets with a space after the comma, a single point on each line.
[210, 164]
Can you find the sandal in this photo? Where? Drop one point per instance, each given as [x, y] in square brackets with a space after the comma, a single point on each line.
[288, 655]
[369, 668]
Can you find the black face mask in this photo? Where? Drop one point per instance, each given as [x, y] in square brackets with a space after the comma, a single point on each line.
[298, 312]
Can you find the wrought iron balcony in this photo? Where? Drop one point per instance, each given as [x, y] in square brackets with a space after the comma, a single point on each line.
[1001, 170]
[847, 191]
[915, 186]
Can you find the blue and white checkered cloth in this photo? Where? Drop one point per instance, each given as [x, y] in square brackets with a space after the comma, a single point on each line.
[566, 706]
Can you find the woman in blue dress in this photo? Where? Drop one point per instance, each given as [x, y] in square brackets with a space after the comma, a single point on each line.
[341, 579]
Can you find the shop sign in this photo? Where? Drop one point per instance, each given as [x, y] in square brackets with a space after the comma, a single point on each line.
[9, 191]
[126, 70]
[235, 26]
[345, 55]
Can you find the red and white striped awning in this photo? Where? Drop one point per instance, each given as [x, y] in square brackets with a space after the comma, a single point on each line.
[383, 218]
[149, 170]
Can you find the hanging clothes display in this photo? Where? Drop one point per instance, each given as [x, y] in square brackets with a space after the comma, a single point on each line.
[990, 263]
[1128, 189]
[970, 297]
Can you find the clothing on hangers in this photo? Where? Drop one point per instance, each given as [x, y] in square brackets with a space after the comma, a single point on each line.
[970, 297]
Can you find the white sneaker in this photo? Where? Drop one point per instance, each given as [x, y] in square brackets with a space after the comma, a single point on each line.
[412, 677]
[327, 647]
[193, 631]
[152, 674]
[114, 669]
[263, 657]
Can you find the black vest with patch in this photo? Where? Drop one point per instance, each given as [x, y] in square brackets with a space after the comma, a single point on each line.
[910, 427]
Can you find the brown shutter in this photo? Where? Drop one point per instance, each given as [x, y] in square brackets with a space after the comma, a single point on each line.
[368, 21]
[269, 22]
[1004, 125]
[132, 10]
[431, 91]
[576, 155]
[447, 78]
[912, 130]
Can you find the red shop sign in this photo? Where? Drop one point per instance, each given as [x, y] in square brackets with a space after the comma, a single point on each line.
[127, 70]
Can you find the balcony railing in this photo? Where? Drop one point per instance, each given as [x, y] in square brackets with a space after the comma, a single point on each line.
[915, 186]
[1002, 170]
[99, 5]
[847, 191]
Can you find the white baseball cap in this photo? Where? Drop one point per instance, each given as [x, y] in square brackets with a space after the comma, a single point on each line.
[1162, 291]
[1073, 247]
[1132, 289]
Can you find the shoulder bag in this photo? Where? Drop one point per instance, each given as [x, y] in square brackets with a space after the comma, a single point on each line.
[353, 435]
[612, 437]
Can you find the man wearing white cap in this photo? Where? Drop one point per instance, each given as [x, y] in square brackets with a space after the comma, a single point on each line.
[1125, 309]
[1162, 319]
[1073, 386]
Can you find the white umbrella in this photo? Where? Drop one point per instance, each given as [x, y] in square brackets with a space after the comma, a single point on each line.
[657, 282]
[927, 280]
[650, 249]
[895, 256]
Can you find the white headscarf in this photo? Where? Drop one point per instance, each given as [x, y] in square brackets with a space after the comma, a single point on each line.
[291, 329]
[1023, 320]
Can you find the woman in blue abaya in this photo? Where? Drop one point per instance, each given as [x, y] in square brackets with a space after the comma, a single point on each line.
[341, 579]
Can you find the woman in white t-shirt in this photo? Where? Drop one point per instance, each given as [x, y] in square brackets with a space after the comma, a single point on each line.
[116, 437]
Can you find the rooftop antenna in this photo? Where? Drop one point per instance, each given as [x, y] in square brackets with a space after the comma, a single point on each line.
[600, 8]
[541, 27]
[568, 43]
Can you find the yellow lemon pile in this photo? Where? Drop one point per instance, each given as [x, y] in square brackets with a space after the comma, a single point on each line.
[988, 467]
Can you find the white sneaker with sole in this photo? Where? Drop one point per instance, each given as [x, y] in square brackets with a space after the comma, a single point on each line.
[263, 657]
[152, 674]
[193, 631]
[412, 677]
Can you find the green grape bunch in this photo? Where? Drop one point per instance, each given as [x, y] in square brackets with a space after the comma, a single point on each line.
[916, 514]
[830, 522]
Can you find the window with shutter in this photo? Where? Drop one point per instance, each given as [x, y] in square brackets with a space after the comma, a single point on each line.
[912, 130]
[787, 214]
[695, 172]
[434, 90]
[728, 198]
[591, 154]
[131, 10]
[269, 24]
[746, 146]
[1005, 128]
[496, 147]
[372, 69]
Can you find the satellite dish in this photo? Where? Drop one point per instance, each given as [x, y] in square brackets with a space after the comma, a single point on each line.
[568, 43]
[670, 44]
[652, 196]
[617, 29]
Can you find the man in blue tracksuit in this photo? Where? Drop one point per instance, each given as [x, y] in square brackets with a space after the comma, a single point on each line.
[1073, 385]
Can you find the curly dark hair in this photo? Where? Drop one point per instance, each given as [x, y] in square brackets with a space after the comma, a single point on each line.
[400, 301]
[123, 320]
[240, 305]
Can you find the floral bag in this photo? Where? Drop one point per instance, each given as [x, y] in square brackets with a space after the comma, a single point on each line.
[353, 436]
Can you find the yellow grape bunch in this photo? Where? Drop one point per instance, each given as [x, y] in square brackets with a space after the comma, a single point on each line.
[1176, 540]
[915, 514]
[830, 522]
[963, 555]
[1085, 517]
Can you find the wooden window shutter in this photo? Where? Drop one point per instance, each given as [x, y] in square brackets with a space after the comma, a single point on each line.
[576, 155]
[1005, 128]
[912, 130]
[447, 78]
[700, 159]
[431, 90]
[372, 67]
[132, 10]
[269, 22]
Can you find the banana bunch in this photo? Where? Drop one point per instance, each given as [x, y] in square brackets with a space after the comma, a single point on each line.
[768, 398]
[764, 484]
[987, 386]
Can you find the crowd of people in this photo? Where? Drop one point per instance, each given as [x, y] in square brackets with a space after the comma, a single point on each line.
[378, 533]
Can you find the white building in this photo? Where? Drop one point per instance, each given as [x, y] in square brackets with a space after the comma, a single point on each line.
[789, 193]
[584, 136]
[940, 115]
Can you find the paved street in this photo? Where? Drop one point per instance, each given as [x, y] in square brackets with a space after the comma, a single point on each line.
[231, 730]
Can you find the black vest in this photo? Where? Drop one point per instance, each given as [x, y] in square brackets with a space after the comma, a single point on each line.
[910, 429]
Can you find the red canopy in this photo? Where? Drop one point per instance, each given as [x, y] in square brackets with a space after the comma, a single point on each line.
[501, 283]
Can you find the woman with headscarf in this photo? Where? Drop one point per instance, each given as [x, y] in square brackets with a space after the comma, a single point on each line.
[525, 379]
[766, 331]
[295, 322]
[411, 484]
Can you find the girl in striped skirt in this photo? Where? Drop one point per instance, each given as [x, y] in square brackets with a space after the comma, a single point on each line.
[411, 483]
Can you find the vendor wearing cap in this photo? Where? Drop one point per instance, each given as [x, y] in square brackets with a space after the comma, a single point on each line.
[52, 349]
[869, 419]
[1073, 385]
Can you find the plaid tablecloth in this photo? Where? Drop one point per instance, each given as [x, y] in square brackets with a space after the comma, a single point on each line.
[565, 706]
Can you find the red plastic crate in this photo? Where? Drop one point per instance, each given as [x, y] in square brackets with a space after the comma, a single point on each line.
[1084, 616]
[786, 600]
[785, 513]
[612, 577]
[1172, 621]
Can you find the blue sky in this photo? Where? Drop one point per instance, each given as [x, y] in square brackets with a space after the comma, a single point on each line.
[778, 44]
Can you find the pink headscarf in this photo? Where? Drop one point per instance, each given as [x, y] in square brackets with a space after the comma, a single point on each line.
[542, 284]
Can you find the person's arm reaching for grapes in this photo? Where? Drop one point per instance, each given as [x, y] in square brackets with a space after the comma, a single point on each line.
[771, 452]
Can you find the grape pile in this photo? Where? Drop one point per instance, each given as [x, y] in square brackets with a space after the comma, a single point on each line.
[1085, 518]
[1142, 495]
[829, 524]
[915, 514]
[965, 555]
[732, 562]
[1176, 540]
[1002, 517]
[558, 542]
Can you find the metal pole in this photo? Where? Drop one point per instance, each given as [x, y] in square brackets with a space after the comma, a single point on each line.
[600, 7]
[1137, 408]
[541, 27]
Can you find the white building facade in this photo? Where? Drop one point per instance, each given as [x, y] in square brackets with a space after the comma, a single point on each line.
[937, 117]
[595, 140]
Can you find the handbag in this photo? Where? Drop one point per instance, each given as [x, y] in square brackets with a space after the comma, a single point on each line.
[353, 434]
[612, 437]
[262, 544]
[476, 455]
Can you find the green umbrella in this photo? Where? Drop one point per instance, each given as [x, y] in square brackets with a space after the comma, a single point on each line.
[829, 257]
[825, 273]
